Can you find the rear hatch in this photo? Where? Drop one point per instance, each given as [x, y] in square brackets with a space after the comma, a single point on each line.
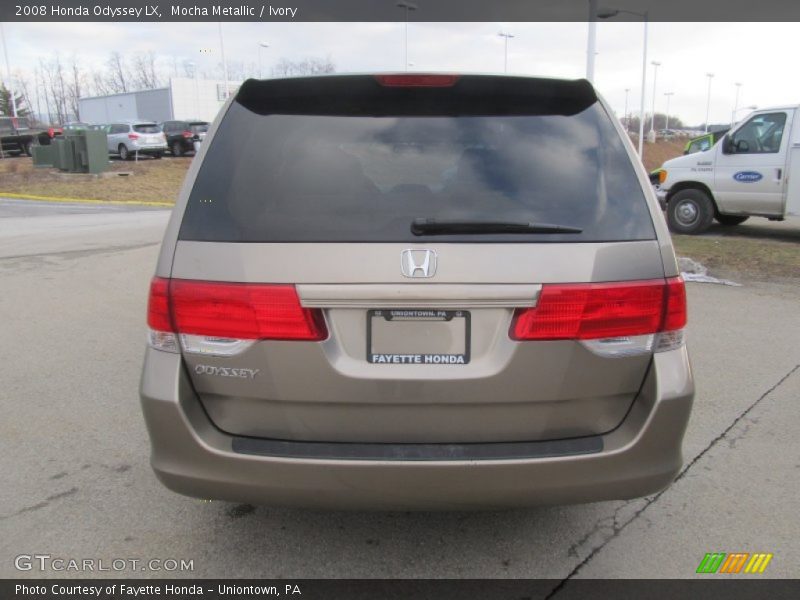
[383, 259]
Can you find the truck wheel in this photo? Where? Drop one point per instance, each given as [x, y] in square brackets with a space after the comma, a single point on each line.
[690, 212]
[27, 149]
[124, 154]
[730, 220]
[177, 150]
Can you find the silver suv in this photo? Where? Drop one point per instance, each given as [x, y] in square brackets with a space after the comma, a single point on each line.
[416, 292]
[129, 139]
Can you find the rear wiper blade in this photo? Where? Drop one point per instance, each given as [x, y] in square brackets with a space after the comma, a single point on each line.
[445, 227]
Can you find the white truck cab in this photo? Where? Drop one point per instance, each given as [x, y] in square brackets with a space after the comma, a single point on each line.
[754, 170]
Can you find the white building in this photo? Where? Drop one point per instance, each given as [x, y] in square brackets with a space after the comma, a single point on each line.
[183, 98]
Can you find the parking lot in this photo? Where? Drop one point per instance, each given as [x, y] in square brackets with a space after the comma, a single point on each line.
[75, 451]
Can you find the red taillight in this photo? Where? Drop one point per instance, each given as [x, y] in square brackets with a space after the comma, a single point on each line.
[187, 134]
[675, 315]
[133, 136]
[243, 311]
[158, 306]
[417, 80]
[585, 311]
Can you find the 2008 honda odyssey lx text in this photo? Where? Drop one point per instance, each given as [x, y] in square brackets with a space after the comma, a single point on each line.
[416, 291]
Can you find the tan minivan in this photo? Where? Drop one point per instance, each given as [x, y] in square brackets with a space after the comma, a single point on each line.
[416, 291]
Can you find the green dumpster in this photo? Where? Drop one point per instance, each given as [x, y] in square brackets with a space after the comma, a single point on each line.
[90, 150]
[44, 156]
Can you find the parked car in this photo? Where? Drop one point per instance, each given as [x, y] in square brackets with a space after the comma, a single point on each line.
[182, 135]
[127, 139]
[416, 291]
[753, 170]
[16, 136]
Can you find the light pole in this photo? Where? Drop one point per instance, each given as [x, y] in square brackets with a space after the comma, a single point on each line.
[613, 12]
[627, 121]
[735, 103]
[591, 40]
[708, 99]
[753, 107]
[196, 89]
[651, 137]
[407, 6]
[261, 45]
[8, 73]
[224, 62]
[668, 95]
[506, 35]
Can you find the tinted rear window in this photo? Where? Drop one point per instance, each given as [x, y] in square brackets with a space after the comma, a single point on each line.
[352, 178]
[146, 128]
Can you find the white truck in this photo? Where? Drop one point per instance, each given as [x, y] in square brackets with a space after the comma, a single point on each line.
[754, 170]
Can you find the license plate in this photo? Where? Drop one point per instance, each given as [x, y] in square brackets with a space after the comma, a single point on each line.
[418, 336]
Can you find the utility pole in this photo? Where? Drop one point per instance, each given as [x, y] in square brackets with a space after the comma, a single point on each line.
[668, 95]
[505, 35]
[591, 42]
[708, 99]
[10, 86]
[224, 62]
[407, 6]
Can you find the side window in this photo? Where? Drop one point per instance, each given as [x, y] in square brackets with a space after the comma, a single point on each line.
[760, 135]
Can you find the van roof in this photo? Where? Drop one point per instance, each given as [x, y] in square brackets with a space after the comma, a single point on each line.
[416, 94]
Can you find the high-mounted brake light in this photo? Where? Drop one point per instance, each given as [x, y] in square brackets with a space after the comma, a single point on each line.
[613, 318]
[402, 80]
[218, 317]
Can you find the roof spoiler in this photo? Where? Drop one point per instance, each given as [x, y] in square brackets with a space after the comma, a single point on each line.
[365, 95]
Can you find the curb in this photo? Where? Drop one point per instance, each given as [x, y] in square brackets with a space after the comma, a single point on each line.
[86, 200]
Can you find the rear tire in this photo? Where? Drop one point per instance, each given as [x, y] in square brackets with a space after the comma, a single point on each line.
[177, 150]
[690, 212]
[157, 155]
[27, 149]
[730, 220]
[124, 153]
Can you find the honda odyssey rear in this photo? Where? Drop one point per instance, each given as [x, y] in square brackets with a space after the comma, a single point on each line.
[416, 291]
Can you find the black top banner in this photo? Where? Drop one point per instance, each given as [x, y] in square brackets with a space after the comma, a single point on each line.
[393, 10]
[398, 589]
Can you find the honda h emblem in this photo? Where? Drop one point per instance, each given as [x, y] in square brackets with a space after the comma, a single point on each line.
[418, 263]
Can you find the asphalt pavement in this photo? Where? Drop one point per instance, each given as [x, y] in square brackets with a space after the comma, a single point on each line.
[77, 483]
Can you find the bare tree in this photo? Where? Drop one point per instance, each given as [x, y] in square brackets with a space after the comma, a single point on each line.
[144, 73]
[75, 86]
[22, 85]
[54, 88]
[306, 66]
[99, 83]
[41, 86]
[117, 73]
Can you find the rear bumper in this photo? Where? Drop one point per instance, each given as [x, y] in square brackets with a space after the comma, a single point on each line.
[192, 457]
[149, 149]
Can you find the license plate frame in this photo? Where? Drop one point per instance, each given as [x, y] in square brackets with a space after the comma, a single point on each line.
[399, 315]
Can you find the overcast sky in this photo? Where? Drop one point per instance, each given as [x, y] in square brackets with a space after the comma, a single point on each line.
[758, 55]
